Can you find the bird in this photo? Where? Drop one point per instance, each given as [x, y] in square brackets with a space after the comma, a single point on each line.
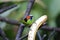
[28, 19]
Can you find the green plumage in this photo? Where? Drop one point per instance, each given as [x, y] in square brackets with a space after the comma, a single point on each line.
[29, 22]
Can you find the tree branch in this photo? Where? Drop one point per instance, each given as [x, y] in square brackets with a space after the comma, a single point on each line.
[47, 28]
[23, 37]
[29, 7]
[19, 33]
[2, 34]
[39, 35]
[7, 8]
[51, 35]
[10, 21]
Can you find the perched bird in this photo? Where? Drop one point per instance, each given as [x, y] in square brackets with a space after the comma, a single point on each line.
[28, 19]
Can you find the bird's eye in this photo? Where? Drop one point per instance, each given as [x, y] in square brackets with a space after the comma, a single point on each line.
[31, 18]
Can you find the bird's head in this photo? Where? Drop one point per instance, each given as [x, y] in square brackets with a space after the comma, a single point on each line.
[28, 17]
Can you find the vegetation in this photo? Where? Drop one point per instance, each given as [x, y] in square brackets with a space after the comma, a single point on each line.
[12, 12]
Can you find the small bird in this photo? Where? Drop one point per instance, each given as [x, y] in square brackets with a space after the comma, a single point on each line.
[28, 19]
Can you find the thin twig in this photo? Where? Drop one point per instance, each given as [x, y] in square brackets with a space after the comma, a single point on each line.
[39, 35]
[23, 37]
[51, 34]
[3, 35]
[44, 36]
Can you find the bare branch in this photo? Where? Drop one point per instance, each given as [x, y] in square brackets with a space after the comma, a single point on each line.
[10, 21]
[29, 7]
[7, 8]
[50, 29]
[2, 34]
[19, 33]
[23, 37]
[39, 35]
[44, 36]
[51, 35]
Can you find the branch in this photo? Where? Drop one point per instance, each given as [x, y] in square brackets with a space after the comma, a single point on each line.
[19, 33]
[51, 35]
[2, 34]
[39, 35]
[23, 37]
[7, 8]
[10, 21]
[29, 7]
[44, 36]
[50, 29]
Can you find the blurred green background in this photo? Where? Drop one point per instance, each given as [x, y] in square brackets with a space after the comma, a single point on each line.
[51, 8]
